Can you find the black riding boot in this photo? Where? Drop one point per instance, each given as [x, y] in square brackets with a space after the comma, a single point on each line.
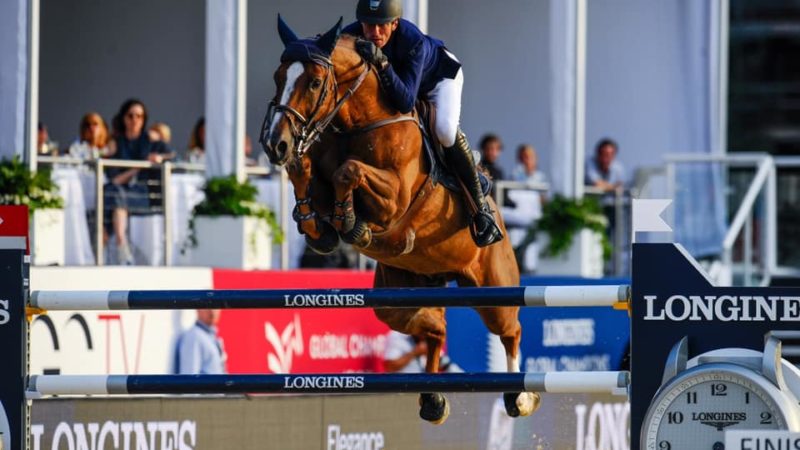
[484, 229]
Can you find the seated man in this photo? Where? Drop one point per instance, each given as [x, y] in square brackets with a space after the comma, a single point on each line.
[412, 65]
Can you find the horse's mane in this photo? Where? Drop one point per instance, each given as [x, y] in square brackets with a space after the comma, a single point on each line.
[347, 43]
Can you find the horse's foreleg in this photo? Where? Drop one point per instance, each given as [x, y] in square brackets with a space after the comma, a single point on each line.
[379, 189]
[320, 236]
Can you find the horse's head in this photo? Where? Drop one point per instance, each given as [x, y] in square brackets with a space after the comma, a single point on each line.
[306, 94]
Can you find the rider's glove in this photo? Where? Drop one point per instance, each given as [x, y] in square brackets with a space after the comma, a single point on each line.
[372, 54]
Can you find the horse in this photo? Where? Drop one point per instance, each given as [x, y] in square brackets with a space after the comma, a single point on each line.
[360, 174]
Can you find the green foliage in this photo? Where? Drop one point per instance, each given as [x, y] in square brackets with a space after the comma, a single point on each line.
[563, 218]
[20, 186]
[225, 196]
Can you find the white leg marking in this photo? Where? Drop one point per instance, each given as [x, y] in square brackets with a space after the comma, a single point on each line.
[513, 363]
[292, 74]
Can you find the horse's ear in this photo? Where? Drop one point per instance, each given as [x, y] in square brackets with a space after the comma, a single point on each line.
[327, 42]
[286, 33]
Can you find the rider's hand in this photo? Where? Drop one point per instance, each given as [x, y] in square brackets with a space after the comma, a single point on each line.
[372, 54]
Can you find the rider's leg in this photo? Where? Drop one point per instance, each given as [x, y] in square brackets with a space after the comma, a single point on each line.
[446, 97]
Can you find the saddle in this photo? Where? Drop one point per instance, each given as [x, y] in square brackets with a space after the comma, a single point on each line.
[434, 151]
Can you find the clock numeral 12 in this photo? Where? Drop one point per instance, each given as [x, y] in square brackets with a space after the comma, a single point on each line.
[719, 390]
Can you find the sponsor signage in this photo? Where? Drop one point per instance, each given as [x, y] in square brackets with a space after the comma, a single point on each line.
[302, 340]
[333, 422]
[671, 299]
[553, 339]
[761, 440]
[110, 434]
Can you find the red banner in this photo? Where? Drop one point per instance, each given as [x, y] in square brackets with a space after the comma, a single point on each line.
[14, 222]
[300, 341]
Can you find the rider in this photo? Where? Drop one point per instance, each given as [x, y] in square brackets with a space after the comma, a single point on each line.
[413, 65]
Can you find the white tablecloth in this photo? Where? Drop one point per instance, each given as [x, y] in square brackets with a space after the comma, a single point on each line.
[527, 211]
[77, 240]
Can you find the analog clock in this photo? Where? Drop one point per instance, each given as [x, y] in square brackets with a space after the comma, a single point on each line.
[695, 406]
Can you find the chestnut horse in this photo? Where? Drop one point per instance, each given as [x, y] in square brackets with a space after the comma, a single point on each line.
[359, 172]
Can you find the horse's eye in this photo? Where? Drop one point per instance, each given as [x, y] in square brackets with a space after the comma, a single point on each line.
[316, 83]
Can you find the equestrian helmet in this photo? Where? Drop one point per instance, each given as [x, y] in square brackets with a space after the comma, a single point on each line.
[378, 11]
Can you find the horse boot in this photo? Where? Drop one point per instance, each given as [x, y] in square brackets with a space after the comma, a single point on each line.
[483, 226]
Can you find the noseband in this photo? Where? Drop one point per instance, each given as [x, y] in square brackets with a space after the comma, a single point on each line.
[306, 131]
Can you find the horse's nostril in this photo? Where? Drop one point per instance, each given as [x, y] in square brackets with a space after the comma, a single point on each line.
[282, 147]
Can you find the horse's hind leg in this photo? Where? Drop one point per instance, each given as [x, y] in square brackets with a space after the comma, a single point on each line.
[427, 323]
[504, 322]
[498, 267]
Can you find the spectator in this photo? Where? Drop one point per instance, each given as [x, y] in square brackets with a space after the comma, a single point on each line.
[607, 174]
[407, 354]
[160, 133]
[604, 171]
[491, 147]
[197, 143]
[527, 169]
[43, 143]
[198, 350]
[124, 192]
[93, 138]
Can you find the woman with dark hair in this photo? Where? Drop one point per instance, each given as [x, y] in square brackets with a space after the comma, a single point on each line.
[197, 143]
[124, 192]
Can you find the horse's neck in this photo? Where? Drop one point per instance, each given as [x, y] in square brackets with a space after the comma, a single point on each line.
[367, 106]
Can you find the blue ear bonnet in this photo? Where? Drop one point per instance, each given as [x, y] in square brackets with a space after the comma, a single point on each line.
[315, 50]
[305, 50]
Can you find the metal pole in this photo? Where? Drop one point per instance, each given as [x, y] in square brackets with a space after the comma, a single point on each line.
[32, 98]
[166, 201]
[98, 213]
[770, 254]
[748, 251]
[579, 139]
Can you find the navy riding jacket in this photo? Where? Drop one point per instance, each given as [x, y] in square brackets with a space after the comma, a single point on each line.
[417, 62]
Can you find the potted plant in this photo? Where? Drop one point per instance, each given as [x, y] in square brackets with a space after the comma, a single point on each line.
[229, 228]
[572, 237]
[36, 190]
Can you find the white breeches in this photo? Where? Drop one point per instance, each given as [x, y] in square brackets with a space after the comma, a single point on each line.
[446, 98]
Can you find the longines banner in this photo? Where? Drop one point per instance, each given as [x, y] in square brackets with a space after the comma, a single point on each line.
[379, 422]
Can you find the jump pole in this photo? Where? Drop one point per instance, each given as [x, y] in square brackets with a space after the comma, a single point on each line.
[616, 296]
[553, 382]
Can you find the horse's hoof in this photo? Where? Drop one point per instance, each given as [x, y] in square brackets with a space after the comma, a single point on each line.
[360, 235]
[521, 403]
[327, 243]
[434, 408]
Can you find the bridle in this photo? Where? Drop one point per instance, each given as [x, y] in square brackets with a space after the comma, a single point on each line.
[306, 131]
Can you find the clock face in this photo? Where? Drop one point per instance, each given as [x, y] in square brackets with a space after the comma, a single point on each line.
[694, 411]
